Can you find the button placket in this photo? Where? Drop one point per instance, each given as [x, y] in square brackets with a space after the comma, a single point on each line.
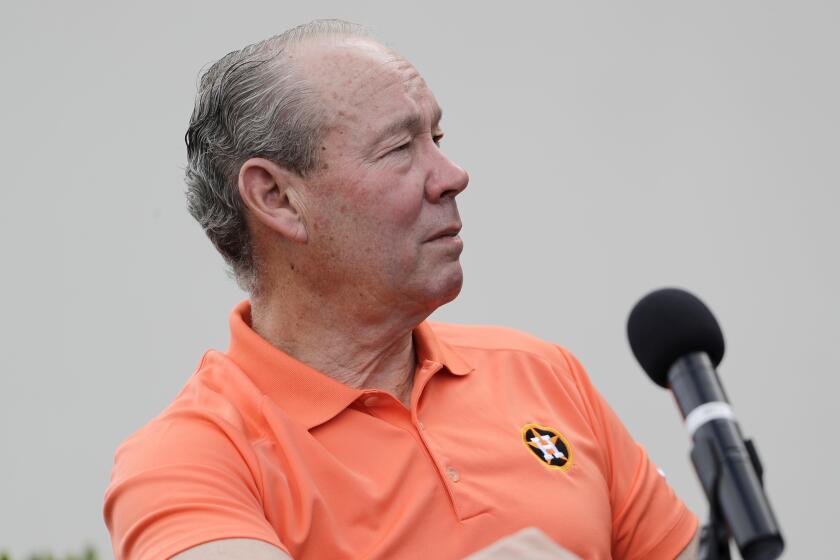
[449, 475]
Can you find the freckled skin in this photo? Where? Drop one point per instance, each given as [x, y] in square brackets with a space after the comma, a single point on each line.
[347, 257]
[369, 211]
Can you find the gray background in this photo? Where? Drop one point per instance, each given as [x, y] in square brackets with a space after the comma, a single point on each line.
[613, 147]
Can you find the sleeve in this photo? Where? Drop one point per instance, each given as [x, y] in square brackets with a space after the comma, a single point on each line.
[183, 480]
[648, 520]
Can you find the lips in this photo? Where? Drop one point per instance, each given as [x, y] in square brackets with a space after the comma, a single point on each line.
[450, 231]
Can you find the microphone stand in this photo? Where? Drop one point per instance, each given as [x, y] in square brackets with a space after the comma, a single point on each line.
[714, 537]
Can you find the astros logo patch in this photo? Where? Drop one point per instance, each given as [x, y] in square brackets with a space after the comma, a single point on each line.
[548, 445]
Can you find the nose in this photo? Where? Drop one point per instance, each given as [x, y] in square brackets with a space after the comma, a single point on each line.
[446, 179]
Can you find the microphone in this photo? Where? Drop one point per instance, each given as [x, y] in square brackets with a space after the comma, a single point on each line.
[678, 343]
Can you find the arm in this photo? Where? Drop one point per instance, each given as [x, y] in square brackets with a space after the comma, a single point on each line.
[233, 549]
[528, 543]
[185, 479]
[649, 520]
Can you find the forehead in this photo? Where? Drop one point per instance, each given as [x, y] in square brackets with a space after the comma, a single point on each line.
[357, 77]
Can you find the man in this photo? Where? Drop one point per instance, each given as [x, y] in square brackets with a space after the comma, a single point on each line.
[339, 423]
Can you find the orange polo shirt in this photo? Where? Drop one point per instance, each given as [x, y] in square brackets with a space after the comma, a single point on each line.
[504, 432]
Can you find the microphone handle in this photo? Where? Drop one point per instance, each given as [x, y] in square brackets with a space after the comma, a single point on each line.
[721, 459]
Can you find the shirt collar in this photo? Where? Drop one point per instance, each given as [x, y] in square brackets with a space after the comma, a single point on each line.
[305, 393]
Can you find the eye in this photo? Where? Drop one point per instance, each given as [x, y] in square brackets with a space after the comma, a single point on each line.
[402, 147]
[437, 138]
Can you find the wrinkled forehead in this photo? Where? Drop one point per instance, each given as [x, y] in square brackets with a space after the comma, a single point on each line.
[349, 71]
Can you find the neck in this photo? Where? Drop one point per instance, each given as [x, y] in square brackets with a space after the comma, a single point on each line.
[359, 350]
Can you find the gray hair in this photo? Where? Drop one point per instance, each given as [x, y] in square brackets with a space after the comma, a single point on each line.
[251, 103]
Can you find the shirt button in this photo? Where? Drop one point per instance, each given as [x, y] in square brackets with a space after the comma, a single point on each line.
[371, 401]
[452, 474]
[421, 425]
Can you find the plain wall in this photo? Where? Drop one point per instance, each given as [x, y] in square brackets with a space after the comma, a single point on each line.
[613, 147]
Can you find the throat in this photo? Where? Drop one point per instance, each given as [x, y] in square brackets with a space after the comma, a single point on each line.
[400, 389]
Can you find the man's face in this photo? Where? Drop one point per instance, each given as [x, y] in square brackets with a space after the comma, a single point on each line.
[380, 209]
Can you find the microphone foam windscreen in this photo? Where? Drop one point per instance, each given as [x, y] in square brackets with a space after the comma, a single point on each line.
[667, 324]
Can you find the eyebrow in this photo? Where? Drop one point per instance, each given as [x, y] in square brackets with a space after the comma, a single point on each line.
[408, 122]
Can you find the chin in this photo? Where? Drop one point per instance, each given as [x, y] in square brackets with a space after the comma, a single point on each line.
[448, 289]
[426, 293]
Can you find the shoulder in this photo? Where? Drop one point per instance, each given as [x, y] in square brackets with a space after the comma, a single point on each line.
[191, 475]
[218, 409]
[493, 338]
[501, 350]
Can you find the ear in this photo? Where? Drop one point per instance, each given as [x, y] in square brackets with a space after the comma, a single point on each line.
[269, 191]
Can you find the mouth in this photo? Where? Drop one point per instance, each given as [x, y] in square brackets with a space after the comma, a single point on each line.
[449, 232]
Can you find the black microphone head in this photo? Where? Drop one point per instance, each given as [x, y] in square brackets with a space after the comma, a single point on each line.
[666, 325]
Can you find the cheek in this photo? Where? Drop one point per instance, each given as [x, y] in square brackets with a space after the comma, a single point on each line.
[377, 213]
[388, 207]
